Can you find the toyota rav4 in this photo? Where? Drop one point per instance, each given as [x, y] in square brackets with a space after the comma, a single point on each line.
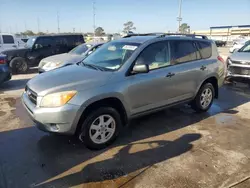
[126, 78]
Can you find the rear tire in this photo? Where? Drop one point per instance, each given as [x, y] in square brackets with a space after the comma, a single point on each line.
[100, 128]
[204, 98]
[19, 65]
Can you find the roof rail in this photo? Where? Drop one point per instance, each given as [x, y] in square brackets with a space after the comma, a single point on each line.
[143, 34]
[182, 34]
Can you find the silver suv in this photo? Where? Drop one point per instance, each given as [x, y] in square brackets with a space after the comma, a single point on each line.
[124, 79]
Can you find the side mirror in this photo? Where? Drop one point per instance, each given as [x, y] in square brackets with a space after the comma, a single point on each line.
[141, 68]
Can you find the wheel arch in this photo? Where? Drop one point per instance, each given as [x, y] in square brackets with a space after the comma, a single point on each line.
[214, 81]
[113, 102]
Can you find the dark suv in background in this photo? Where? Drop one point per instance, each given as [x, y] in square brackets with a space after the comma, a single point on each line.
[39, 47]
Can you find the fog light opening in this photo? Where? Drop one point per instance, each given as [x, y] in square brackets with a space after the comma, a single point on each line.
[54, 126]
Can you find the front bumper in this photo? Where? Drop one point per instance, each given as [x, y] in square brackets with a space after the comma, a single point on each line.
[61, 120]
[5, 74]
[238, 71]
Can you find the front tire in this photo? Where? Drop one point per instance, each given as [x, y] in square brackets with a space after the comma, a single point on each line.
[204, 98]
[19, 65]
[100, 128]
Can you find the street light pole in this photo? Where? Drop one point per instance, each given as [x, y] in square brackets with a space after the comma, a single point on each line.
[179, 18]
[58, 23]
[94, 18]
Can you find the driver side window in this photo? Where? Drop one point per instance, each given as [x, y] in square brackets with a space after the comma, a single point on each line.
[43, 43]
[155, 56]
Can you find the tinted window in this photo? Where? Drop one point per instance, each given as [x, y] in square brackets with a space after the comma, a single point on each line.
[8, 39]
[156, 56]
[61, 41]
[183, 51]
[74, 40]
[44, 42]
[205, 49]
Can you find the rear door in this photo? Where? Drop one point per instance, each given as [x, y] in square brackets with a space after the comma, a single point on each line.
[186, 73]
[7, 42]
[61, 45]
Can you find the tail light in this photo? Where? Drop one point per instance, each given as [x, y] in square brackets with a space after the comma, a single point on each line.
[2, 61]
[220, 59]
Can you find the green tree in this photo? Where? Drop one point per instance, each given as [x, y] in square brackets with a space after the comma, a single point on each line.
[28, 32]
[99, 31]
[184, 28]
[128, 26]
[41, 33]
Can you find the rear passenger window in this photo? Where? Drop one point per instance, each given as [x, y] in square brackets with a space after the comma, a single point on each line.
[205, 49]
[8, 39]
[183, 51]
[61, 41]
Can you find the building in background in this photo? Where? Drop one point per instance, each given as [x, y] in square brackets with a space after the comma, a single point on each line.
[226, 33]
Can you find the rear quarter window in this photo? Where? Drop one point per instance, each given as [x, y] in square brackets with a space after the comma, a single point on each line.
[8, 39]
[205, 49]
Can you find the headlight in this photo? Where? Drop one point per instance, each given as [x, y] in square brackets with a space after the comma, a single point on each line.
[51, 65]
[57, 99]
[229, 61]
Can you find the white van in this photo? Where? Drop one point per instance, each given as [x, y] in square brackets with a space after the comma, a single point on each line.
[7, 42]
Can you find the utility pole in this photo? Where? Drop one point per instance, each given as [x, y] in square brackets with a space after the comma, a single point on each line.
[94, 18]
[25, 26]
[38, 24]
[74, 30]
[179, 18]
[58, 23]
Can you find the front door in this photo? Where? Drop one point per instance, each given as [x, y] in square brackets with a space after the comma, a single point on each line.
[148, 91]
[43, 47]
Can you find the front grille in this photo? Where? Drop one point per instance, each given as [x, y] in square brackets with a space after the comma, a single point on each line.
[31, 95]
[239, 70]
[240, 63]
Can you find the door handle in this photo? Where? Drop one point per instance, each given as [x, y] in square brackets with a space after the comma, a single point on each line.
[170, 74]
[203, 67]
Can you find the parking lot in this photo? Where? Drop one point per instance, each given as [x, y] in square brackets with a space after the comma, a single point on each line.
[173, 148]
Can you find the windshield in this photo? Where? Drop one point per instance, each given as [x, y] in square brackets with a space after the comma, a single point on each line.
[30, 42]
[79, 50]
[111, 55]
[246, 47]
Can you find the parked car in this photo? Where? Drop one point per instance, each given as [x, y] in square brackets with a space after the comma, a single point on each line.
[39, 47]
[220, 43]
[124, 79]
[5, 73]
[74, 56]
[237, 45]
[239, 63]
[7, 42]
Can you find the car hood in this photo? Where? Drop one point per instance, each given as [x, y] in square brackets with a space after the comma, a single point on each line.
[240, 56]
[62, 58]
[74, 77]
[15, 51]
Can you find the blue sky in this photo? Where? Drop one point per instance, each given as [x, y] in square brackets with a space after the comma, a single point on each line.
[147, 15]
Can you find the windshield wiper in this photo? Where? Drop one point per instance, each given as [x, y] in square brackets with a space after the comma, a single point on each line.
[92, 66]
